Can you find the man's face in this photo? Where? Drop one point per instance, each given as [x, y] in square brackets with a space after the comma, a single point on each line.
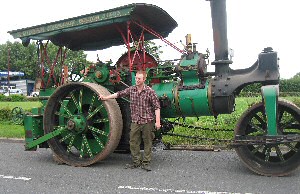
[139, 79]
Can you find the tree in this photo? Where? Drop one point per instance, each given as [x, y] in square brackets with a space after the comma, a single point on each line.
[297, 76]
[153, 49]
[21, 58]
[25, 59]
[150, 48]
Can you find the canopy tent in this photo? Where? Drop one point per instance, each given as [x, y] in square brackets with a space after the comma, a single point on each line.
[100, 30]
[11, 73]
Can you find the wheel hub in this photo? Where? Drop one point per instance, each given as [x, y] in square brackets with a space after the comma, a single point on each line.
[77, 123]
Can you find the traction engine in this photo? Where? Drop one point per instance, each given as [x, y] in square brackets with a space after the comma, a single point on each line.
[81, 129]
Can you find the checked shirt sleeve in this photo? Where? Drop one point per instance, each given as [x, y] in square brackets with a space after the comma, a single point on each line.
[154, 99]
[124, 93]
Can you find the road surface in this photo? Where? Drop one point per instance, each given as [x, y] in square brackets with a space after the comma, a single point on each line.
[173, 172]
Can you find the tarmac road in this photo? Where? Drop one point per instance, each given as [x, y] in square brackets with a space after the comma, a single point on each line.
[173, 172]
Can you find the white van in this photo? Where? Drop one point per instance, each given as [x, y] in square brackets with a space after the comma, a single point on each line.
[14, 91]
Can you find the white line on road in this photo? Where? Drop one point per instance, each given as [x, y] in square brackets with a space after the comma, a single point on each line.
[15, 178]
[172, 190]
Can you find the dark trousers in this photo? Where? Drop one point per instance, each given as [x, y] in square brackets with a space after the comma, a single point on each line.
[137, 133]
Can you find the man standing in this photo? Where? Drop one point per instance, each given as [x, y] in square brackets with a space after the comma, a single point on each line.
[143, 104]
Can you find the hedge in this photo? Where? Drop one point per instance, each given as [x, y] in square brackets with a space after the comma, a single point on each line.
[17, 98]
[287, 87]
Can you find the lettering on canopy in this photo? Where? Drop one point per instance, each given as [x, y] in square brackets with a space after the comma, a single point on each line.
[98, 17]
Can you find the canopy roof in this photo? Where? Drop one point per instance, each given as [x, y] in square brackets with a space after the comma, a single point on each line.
[99, 30]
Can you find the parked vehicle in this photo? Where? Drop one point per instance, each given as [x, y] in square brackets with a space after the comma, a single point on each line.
[35, 94]
[14, 91]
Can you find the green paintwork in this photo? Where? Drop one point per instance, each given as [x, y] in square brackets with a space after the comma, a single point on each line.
[133, 78]
[47, 92]
[99, 30]
[86, 137]
[33, 126]
[37, 111]
[189, 70]
[80, 122]
[167, 90]
[90, 133]
[194, 102]
[46, 137]
[101, 74]
[270, 95]
[73, 24]
[191, 103]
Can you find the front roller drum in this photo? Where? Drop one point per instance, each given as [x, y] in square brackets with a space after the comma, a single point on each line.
[91, 128]
[272, 159]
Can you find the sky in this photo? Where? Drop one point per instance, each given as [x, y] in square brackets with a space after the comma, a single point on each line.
[252, 25]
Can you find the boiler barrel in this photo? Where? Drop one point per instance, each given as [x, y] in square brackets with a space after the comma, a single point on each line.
[182, 102]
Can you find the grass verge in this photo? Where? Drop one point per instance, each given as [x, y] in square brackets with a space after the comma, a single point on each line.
[9, 130]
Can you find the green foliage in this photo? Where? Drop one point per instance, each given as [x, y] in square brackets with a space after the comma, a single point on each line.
[21, 58]
[251, 90]
[25, 59]
[287, 87]
[5, 114]
[150, 48]
[290, 85]
[153, 49]
[18, 98]
[13, 98]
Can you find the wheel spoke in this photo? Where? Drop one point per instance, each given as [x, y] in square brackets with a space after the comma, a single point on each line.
[259, 119]
[280, 115]
[86, 143]
[104, 120]
[75, 102]
[289, 145]
[287, 124]
[80, 100]
[98, 131]
[98, 140]
[66, 137]
[70, 144]
[82, 149]
[256, 149]
[279, 153]
[65, 108]
[258, 128]
[62, 115]
[92, 103]
[90, 115]
[267, 154]
[59, 127]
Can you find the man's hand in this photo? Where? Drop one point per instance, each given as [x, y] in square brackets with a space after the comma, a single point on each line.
[101, 97]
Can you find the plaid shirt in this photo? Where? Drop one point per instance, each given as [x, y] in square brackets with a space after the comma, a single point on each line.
[142, 105]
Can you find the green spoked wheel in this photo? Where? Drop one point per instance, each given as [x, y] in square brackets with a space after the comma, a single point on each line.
[91, 128]
[276, 159]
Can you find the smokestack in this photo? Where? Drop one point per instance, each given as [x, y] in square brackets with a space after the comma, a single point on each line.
[219, 25]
